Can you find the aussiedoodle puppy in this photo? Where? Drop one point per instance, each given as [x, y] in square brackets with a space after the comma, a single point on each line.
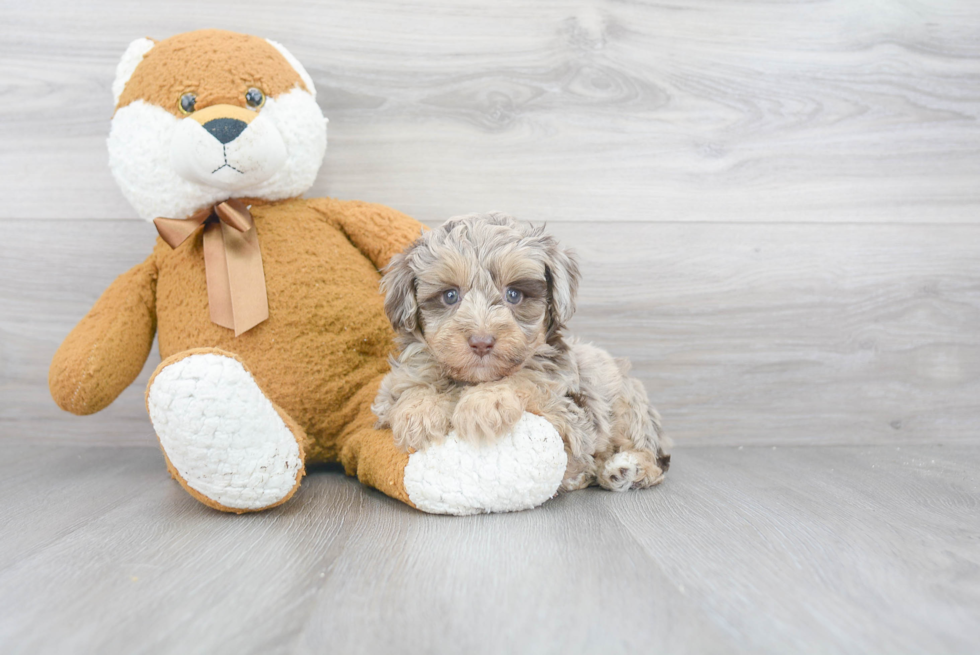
[479, 305]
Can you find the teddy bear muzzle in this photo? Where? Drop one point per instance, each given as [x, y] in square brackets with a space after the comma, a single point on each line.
[227, 147]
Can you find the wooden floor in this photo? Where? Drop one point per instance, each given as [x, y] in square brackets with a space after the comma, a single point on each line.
[776, 207]
[845, 549]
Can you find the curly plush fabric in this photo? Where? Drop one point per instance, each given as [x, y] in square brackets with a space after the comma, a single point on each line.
[87, 373]
[326, 337]
[520, 471]
[212, 64]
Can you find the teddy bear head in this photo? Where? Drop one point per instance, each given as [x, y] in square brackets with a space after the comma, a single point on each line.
[210, 115]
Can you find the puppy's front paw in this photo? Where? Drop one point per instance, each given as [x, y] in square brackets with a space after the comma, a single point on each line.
[417, 420]
[487, 412]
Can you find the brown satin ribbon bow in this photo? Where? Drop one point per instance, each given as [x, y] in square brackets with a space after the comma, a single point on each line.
[237, 297]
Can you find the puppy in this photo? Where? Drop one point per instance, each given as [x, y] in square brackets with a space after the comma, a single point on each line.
[479, 306]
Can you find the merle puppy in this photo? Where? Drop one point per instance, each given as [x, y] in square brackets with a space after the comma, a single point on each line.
[479, 305]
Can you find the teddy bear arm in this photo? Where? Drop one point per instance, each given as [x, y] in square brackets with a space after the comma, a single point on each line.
[105, 352]
[378, 231]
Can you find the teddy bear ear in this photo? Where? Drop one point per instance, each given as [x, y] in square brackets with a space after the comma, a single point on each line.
[298, 67]
[127, 65]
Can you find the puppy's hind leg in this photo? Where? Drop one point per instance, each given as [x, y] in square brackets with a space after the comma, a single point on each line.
[630, 469]
[635, 457]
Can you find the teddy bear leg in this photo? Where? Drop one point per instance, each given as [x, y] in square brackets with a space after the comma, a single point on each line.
[226, 443]
[518, 471]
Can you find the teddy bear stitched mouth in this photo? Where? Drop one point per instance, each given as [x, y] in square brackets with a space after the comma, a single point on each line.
[224, 152]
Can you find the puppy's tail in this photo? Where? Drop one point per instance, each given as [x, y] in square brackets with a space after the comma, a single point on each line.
[662, 441]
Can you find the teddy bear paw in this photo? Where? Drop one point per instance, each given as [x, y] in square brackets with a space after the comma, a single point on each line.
[223, 439]
[520, 470]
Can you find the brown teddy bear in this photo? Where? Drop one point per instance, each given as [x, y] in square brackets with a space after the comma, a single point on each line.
[266, 305]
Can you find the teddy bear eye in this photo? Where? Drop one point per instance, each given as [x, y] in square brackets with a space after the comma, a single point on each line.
[514, 296]
[450, 296]
[255, 98]
[187, 102]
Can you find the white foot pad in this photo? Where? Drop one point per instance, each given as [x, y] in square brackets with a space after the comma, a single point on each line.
[222, 434]
[521, 470]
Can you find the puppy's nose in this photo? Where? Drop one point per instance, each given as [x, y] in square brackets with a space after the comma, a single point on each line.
[225, 130]
[482, 344]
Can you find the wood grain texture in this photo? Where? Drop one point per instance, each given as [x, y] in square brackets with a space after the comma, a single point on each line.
[743, 334]
[838, 111]
[754, 550]
[775, 203]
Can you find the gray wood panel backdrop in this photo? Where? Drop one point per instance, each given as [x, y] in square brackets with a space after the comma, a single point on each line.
[776, 203]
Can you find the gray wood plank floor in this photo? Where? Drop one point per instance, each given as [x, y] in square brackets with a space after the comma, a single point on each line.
[862, 549]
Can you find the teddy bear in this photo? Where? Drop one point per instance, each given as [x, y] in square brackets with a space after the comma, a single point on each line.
[266, 305]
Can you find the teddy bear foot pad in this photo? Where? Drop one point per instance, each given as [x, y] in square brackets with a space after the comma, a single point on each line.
[223, 438]
[521, 470]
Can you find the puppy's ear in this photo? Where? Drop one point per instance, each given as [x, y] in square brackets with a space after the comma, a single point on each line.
[398, 285]
[561, 271]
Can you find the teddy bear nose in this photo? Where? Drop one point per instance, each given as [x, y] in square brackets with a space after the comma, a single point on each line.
[225, 130]
[482, 344]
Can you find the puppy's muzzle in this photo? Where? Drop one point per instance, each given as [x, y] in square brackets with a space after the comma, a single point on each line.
[481, 344]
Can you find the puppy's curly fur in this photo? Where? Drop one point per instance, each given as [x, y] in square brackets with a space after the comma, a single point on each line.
[479, 305]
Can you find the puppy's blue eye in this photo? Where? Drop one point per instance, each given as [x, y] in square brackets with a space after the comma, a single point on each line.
[450, 296]
[514, 296]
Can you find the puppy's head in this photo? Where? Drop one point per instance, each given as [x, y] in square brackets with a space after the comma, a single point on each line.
[482, 292]
[208, 115]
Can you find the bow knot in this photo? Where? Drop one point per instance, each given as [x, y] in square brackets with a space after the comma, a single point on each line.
[237, 297]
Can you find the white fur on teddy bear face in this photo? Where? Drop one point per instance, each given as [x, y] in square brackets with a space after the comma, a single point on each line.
[153, 154]
[294, 62]
[250, 159]
[519, 471]
[127, 65]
